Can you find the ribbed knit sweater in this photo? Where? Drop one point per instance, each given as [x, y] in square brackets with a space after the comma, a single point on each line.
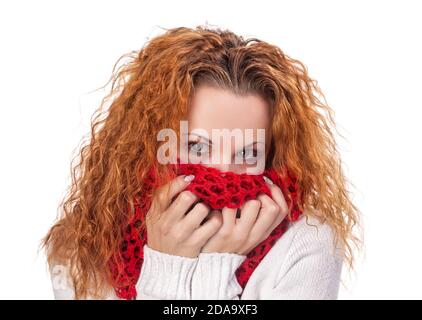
[302, 264]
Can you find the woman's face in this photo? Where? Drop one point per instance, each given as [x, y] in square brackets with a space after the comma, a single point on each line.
[228, 132]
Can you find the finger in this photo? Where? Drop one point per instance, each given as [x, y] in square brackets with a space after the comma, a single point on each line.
[195, 216]
[277, 195]
[229, 217]
[209, 228]
[265, 234]
[177, 209]
[280, 217]
[267, 216]
[248, 215]
[167, 192]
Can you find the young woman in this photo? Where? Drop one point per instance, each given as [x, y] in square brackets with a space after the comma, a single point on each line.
[133, 227]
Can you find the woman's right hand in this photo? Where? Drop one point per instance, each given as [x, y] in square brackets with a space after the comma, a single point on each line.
[172, 227]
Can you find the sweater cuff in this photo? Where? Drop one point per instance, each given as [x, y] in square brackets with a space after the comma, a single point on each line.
[165, 276]
[215, 278]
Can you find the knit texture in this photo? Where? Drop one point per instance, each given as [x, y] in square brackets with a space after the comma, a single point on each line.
[217, 189]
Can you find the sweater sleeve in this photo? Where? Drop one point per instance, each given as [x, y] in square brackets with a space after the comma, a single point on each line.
[312, 266]
[164, 276]
[214, 277]
[210, 276]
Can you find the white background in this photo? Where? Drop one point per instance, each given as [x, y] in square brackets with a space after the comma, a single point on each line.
[365, 55]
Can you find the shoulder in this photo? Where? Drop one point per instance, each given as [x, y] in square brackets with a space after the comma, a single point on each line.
[311, 255]
[308, 231]
[306, 242]
[304, 263]
[309, 240]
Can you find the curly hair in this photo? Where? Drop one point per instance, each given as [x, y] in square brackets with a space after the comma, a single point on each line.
[152, 91]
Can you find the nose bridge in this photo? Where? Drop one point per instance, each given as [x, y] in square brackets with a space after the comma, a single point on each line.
[224, 153]
[221, 160]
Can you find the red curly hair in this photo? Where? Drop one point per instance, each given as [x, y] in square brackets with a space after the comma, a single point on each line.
[152, 91]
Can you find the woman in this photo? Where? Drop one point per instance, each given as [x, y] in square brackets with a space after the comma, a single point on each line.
[211, 80]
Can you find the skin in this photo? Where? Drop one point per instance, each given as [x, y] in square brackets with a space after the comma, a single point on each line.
[186, 229]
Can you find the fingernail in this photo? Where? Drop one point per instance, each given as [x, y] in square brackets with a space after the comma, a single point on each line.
[189, 178]
[268, 180]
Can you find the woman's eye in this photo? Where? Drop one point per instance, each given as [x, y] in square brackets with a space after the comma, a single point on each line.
[247, 154]
[198, 148]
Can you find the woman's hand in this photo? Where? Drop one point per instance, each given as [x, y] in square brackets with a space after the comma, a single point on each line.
[257, 220]
[173, 226]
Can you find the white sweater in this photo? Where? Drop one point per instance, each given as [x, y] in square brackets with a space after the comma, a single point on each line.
[302, 264]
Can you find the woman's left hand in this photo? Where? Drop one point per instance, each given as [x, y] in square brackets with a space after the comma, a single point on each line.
[257, 220]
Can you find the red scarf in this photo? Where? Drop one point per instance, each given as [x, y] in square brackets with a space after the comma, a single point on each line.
[218, 190]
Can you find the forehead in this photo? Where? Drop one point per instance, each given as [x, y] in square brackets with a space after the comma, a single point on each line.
[214, 108]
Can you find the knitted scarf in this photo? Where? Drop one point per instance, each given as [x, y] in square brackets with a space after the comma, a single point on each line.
[217, 189]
